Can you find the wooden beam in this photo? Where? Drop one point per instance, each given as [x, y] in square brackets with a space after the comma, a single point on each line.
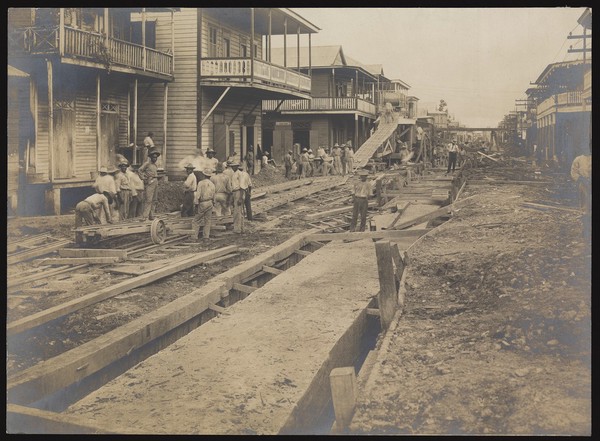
[135, 121]
[165, 106]
[12, 282]
[79, 260]
[343, 394]
[424, 218]
[489, 157]
[303, 252]
[544, 207]
[90, 252]
[373, 311]
[388, 234]
[246, 289]
[388, 293]
[22, 419]
[218, 309]
[50, 121]
[47, 315]
[270, 269]
[215, 105]
[37, 252]
[98, 125]
[504, 181]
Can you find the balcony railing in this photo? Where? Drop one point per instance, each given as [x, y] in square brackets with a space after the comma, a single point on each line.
[321, 104]
[240, 70]
[91, 46]
[560, 100]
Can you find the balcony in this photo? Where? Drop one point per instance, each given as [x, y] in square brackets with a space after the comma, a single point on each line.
[257, 73]
[560, 102]
[90, 47]
[322, 104]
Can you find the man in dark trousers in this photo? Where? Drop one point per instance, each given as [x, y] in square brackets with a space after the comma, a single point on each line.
[362, 190]
[452, 156]
[189, 190]
[287, 161]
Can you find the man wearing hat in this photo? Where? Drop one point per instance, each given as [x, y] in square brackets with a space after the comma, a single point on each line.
[149, 174]
[123, 189]
[348, 158]
[287, 162]
[106, 183]
[189, 189]
[362, 190]
[304, 163]
[337, 159]
[311, 163]
[246, 187]
[238, 198]
[205, 195]
[211, 162]
[249, 158]
[88, 211]
[222, 192]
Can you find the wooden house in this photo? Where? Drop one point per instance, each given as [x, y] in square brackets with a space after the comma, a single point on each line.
[77, 74]
[342, 106]
[224, 69]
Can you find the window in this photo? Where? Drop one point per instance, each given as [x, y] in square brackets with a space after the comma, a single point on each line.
[255, 51]
[226, 47]
[212, 42]
[243, 50]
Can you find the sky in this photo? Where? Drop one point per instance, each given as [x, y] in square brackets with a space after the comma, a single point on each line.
[479, 60]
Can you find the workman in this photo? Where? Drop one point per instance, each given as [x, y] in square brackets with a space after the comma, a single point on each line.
[87, 212]
[106, 182]
[452, 156]
[222, 184]
[304, 163]
[149, 174]
[581, 173]
[337, 159]
[205, 194]
[246, 187]
[123, 187]
[349, 159]
[238, 198]
[148, 144]
[211, 162]
[136, 205]
[287, 162]
[189, 190]
[362, 190]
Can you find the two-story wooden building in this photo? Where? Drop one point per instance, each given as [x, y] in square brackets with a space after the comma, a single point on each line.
[342, 106]
[74, 78]
[224, 69]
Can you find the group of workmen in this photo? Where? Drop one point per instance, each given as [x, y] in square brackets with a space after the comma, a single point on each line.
[336, 161]
[210, 187]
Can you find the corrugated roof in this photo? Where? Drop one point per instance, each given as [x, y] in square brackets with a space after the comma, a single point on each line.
[321, 56]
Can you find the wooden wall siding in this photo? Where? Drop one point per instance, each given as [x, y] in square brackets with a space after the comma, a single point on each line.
[181, 105]
[320, 84]
[42, 136]
[84, 156]
[13, 132]
[115, 91]
[227, 31]
[322, 126]
[20, 17]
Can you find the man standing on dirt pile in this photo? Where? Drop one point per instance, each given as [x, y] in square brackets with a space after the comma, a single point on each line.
[205, 195]
[189, 189]
[362, 190]
[87, 212]
[149, 174]
[581, 173]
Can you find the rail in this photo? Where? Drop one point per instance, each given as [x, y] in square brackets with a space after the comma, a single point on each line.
[246, 69]
[560, 100]
[89, 45]
[322, 103]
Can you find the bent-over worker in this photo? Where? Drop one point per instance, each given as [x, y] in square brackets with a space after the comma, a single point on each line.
[87, 212]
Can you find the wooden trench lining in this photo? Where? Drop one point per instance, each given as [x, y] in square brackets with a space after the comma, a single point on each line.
[73, 366]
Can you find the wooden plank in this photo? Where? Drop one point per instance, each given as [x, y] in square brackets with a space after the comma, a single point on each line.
[270, 269]
[343, 394]
[389, 234]
[462, 187]
[550, 207]
[489, 157]
[218, 309]
[258, 195]
[11, 283]
[246, 289]
[221, 259]
[398, 261]
[303, 252]
[79, 260]
[388, 294]
[504, 181]
[26, 255]
[111, 291]
[373, 311]
[22, 419]
[81, 252]
[424, 218]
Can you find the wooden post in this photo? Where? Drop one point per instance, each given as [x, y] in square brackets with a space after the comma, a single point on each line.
[199, 38]
[61, 32]
[144, 38]
[285, 42]
[98, 115]
[106, 28]
[298, 47]
[388, 294]
[343, 395]
[135, 120]
[356, 125]
[165, 105]
[50, 121]
[269, 40]
[309, 55]
[378, 191]
[173, 41]
[251, 45]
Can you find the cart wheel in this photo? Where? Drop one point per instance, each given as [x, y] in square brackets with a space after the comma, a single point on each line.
[158, 231]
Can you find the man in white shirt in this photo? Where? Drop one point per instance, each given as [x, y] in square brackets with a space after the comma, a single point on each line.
[246, 186]
[205, 195]
[362, 190]
[136, 206]
[106, 182]
[452, 156]
[210, 161]
[123, 189]
[238, 198]
[189, 189]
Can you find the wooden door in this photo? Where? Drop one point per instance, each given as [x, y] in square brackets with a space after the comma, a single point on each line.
[109, 138]
[314, 140]
[220, 141]
[64, 128]
[282, 142]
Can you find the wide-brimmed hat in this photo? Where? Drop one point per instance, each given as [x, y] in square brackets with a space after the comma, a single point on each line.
[336, 145]
[103, 169]
[189, 166]
[210, 150]
[124, 162]
[153, 151]
[233, 164]
[207, 172]
[113, 170]
[363, 173]
[305, 149]
[289, 151]
[310, 151]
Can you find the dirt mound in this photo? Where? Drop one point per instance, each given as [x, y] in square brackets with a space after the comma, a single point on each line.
[170, 196]
[268, 176]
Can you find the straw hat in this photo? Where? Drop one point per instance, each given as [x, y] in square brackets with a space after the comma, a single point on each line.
[207, 172]
[103, 169]
[189, 166]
